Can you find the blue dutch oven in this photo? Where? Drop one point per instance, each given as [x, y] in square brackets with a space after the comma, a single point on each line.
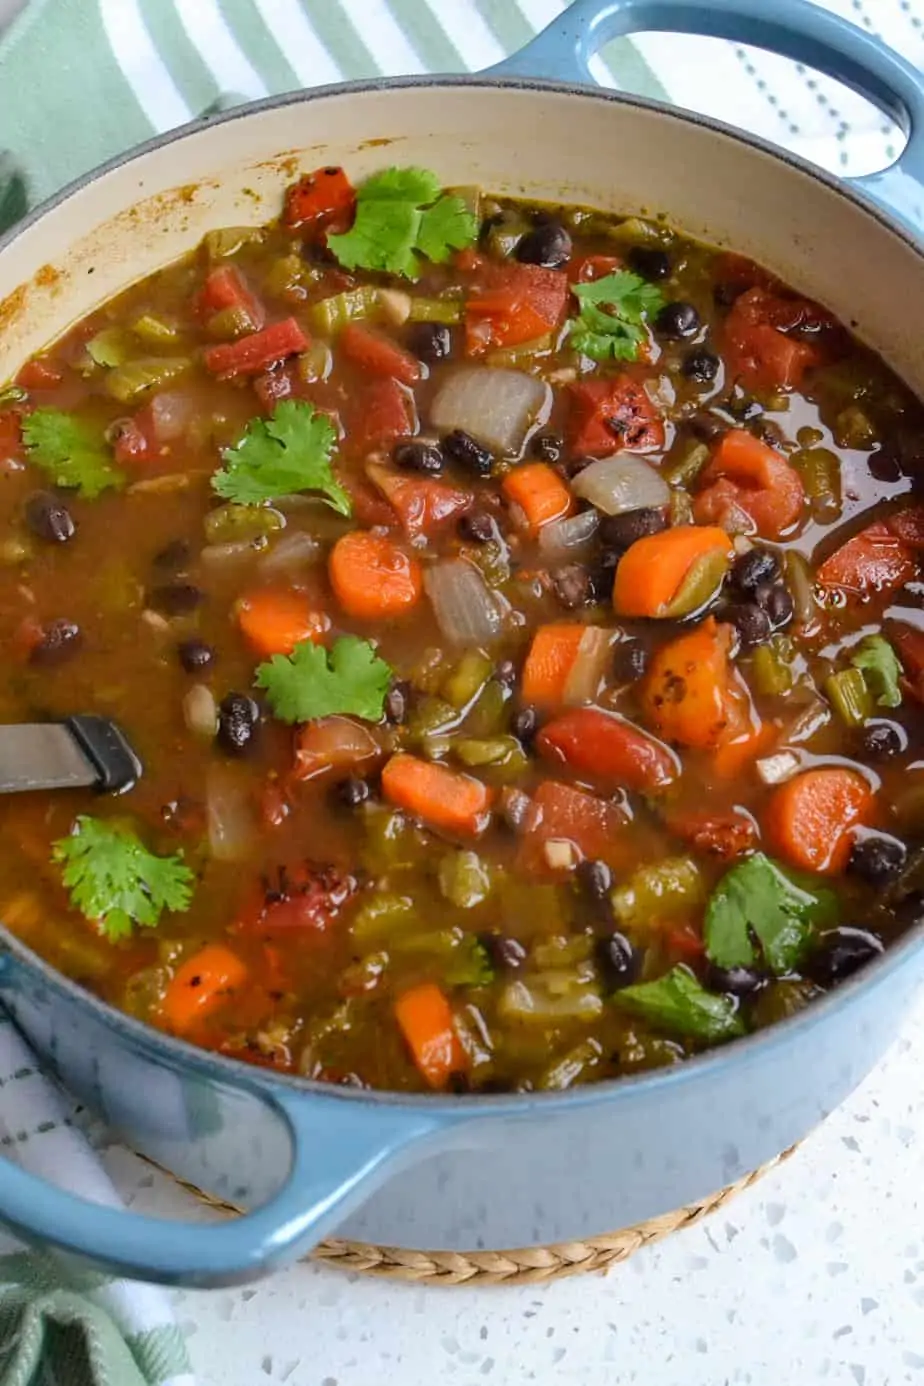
[495, 1171]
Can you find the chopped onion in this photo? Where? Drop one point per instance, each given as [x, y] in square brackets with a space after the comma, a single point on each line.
[466, 611]
[621, 483]
[593, 658]
[809, 721]
[395, 305]
[496, 406]
[171, 414]
[200, 712]
[229, 811]
[561, 535]
[778, 768]
[295, 550]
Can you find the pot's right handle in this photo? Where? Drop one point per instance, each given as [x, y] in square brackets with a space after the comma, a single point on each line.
[795, 29]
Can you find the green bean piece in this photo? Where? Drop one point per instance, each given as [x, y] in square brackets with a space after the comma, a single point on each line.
[687, 466]
[464, 880]
[850, 697]
[229, 524]
[672, 886]
[820, 469]
[771, 668]
[331, 315]
[467, 679]
[441, 310]
[135, 378]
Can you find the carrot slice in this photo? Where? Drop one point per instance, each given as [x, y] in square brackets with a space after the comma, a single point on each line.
[751, 476]
[372, 577]
[603, 746]
[442, 798]
[273, 620]
[651, 572]
[425, 1018]
[548, 666]
[809, 818]
[539, 492]
[200, 985]
[686, 696]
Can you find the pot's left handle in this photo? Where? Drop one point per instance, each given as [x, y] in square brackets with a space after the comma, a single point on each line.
[795, 29]
[341, 1152]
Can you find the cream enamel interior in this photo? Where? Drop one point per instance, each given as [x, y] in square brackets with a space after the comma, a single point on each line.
[538, 142]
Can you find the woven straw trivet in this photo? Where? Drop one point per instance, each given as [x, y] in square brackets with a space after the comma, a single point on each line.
[532, 1265]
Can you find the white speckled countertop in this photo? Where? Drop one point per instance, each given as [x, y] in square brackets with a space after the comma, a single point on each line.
[815, 1275]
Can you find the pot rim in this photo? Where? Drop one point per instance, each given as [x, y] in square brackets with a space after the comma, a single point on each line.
[262, 1081]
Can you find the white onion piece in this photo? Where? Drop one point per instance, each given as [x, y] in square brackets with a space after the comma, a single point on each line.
[466, 611]
[171, 413]
[200, 712]
[395, 305]
[496, 406]
[293, 551]
[778, 768]
[618, 484]
[231, 819]
[562, 535]
[593, 658]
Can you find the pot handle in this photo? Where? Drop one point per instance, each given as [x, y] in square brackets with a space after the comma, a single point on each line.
[341, 1152]
[795, 29]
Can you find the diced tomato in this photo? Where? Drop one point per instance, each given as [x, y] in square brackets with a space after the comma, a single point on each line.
[380, 411]
[39, 374]
[513, 304]
[225, 287]
[910, 645]
[272, 386]
[27, 636]
[373, 352]
[747, 475]
[740, 273]
[684, 943]
[469, 260]
[722, 835]
[585, 268]
[559, 812]
[758, 353]
[332, 743]
[908, 526]
[11, 445]
[319, 197]
[607, 415]
[422, 504]
[304, 898]
[252, 354]
[603, 746]
[370, 509]
[872, 561]
[132, 442]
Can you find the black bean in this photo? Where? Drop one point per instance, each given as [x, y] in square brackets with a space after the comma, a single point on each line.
[875, 858]
[463, 448]
[619, 963]
[548, 245]
[49, 518]
[506, 674]
[397, 701]
[620, 531]
[839, 953]
[195, 655]
[172, 556]
[419, 456]
[549, 447]
[701, 365]
[238, 716]
[430, 341]
[775, 599]
[881, 741]
[753, 568]
[352, 792]
[678, 320]
[649, 263]
[477, 526]
[525, 725]
[884, 466]
[736, 981]
[573, 585]
[708, 427]
[59, 641]
[506, 954]
[596, 878]
[630, 660]
[751, 622]
[175, 598]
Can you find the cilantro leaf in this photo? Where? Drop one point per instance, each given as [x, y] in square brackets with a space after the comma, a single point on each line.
[115, 881]
[879, 665]
[72, 450]
[290, 451]
[678, 1004]
[314, 682]
[618, 333]
[400, 217]
[757, 908]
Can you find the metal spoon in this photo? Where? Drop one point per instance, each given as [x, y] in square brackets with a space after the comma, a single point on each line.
[78, 753]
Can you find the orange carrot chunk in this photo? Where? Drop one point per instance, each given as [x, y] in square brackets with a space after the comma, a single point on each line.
[273, 620]
[686, 696]
[372, 577]
[424, 1016]
[201, 985]
[808, 819]
[442, 798]
[651, 572]
[539, 492]
[548, 666]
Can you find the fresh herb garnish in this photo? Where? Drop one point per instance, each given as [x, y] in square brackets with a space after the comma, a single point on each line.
[115, 881]
[759, 912]
[678, 1004]
[402, 215]
[288, 452]
[879, 665]
[74, 452]
[615, 331]
[314, 682]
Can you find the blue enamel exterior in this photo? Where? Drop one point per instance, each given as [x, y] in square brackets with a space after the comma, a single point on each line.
[470, 1173]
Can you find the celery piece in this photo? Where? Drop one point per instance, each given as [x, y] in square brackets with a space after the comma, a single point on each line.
[820, 469]
[379, 915]
[464, 879]
[489, 716]
[771, 667]
[391, 842]
[228, 524]
[687, 467]
[430, 716]
[228, 240]
[228, 324]
[518, 358]
[467, 679]
[850, 697]
[443, 310]
[331, 315]
[703, 579]
[155, 331]
[662, 888]
[111, 347]
[496, 750]
[126, 383]
[552, 998]
[576, 1065]
[287, 274]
